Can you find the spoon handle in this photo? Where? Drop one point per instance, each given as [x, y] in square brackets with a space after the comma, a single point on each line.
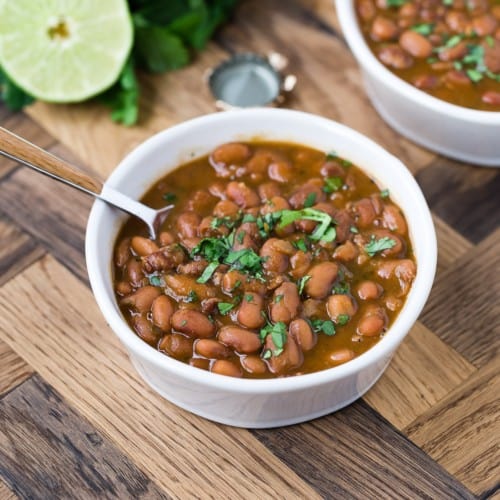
[17, 148]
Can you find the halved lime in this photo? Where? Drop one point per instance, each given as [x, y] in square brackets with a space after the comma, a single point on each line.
[64, 50]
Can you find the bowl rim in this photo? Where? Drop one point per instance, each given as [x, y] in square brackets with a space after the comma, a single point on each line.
[421, 287]
[367, 60]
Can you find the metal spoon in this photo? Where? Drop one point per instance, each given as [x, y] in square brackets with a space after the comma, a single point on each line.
[22, 151]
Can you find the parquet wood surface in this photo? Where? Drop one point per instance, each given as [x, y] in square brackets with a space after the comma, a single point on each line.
[77, 422]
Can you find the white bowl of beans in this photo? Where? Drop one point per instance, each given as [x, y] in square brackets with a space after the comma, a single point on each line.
[432, 71]
[268, 384]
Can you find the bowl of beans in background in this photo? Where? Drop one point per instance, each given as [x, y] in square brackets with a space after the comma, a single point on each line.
[296, 258]
[432, 70]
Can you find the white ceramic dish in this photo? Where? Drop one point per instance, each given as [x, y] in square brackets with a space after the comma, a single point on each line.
[461, 133]
[244, 402]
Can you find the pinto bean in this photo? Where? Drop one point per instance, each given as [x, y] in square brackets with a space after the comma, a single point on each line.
[241, 340]
[250, 311]
[395, 57]
[142, 299]
[303, 334]
[193, 268]
[123, 288]
[340, 305]
[246, 236]
[300, 262]
[187, 224]
[457, 21]
[268, 190]
[144, 329]
[287, 306]
[492, 56]
[259, 162]
[166, 238]
[134, 272]
[383, 29]
[192, 323]
[332, 168]
[457, 78]
[373, 322]
[346, 252]
[226, 208]
[226, 367]
[291, 357]
[165, 259]
[366, 9]
[233, 280]
[211, 349]
[276, 252]
[415, 44]
[162, 310]
[232, 153]
[484, 25]
[202, 363]
[393, 303]
[453, 53]
[177, 346]
[491, 97]
[340, 356]
[313, 307]
[322, 277]
[122, 252]
[364, 212]
[403, 269]
[180, 286]
[309, 190]
[280, 171]
[242, 195]
[218, 189]
[393, 219]
[200, 201]
[426, 82]
[253, 364]
[344, 223]
[369, 290]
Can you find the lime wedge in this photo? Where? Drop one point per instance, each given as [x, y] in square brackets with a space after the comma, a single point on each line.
[64, 50]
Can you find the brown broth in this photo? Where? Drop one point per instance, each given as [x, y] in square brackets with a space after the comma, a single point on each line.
[198, 175]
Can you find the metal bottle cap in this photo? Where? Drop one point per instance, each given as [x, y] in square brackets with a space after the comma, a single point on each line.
[249, 80]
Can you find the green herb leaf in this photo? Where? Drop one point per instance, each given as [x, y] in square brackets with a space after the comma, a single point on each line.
[14, 97]
[278, 298]
[192, 297]
[325, 326]
[300, 245]
[310, 200]
[346, 163]
[332, 184]
[155, 280]
[343, 319]
[384, 193]
[267, 354]
[207, 273]
[474, 75]
[170, 197]
[302, 283]
[249, 297]
[331, 155]
[375, 246]
[225, 307]
[424, 29]
[354, 230]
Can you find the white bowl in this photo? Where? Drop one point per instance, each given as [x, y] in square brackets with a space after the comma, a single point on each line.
[461, 133]
[246, 402]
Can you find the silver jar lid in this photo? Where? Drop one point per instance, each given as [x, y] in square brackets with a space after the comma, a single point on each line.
[249, 80]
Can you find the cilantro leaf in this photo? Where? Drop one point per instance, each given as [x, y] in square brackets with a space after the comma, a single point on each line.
[278, 333]
[207, 273]
[325, 326]
[374, 246]
[225, 307]
[302, 283]
[343, 319]
[14, 97]
[310, 200]
[155, 280]
[332, 184]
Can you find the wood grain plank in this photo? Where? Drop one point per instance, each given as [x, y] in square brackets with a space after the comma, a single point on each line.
[330, 83]
[94, 375]
[463, 308]
[493, 495]
[423, 371]
[451, 244]
[13, 369]
[47, 450]
[444, 182]
[52, 213]
[461, 432]
[17, 250]
[21, 125]
[354, 453]
[6, 493]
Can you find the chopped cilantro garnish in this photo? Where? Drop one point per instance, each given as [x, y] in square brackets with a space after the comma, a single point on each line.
[207, 273]
[302, 283]
[278, 298]
[489, 40]
[395, 3]
[452, 41]
[192, 297]
[249, 218]
[354, 230]
[342, 319]
[331, 155]
[225, 307]
[310, 200]
[278, 334]
[222, 221]
[332, 184]
[341, 288]
[249, 297]
[384, 193]
[374, 246]
[300, 245]
[240, 236]
[155, 280]
[346, 163]
[474, 75]
[322, 231]
[267, 354]
[170, 197]
[424, 29]
[325, 326]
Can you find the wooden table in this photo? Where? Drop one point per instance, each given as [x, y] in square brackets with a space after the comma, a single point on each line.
[76, 420]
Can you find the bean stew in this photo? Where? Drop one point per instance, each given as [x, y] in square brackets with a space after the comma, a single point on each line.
[447, 48]
[276, 260]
